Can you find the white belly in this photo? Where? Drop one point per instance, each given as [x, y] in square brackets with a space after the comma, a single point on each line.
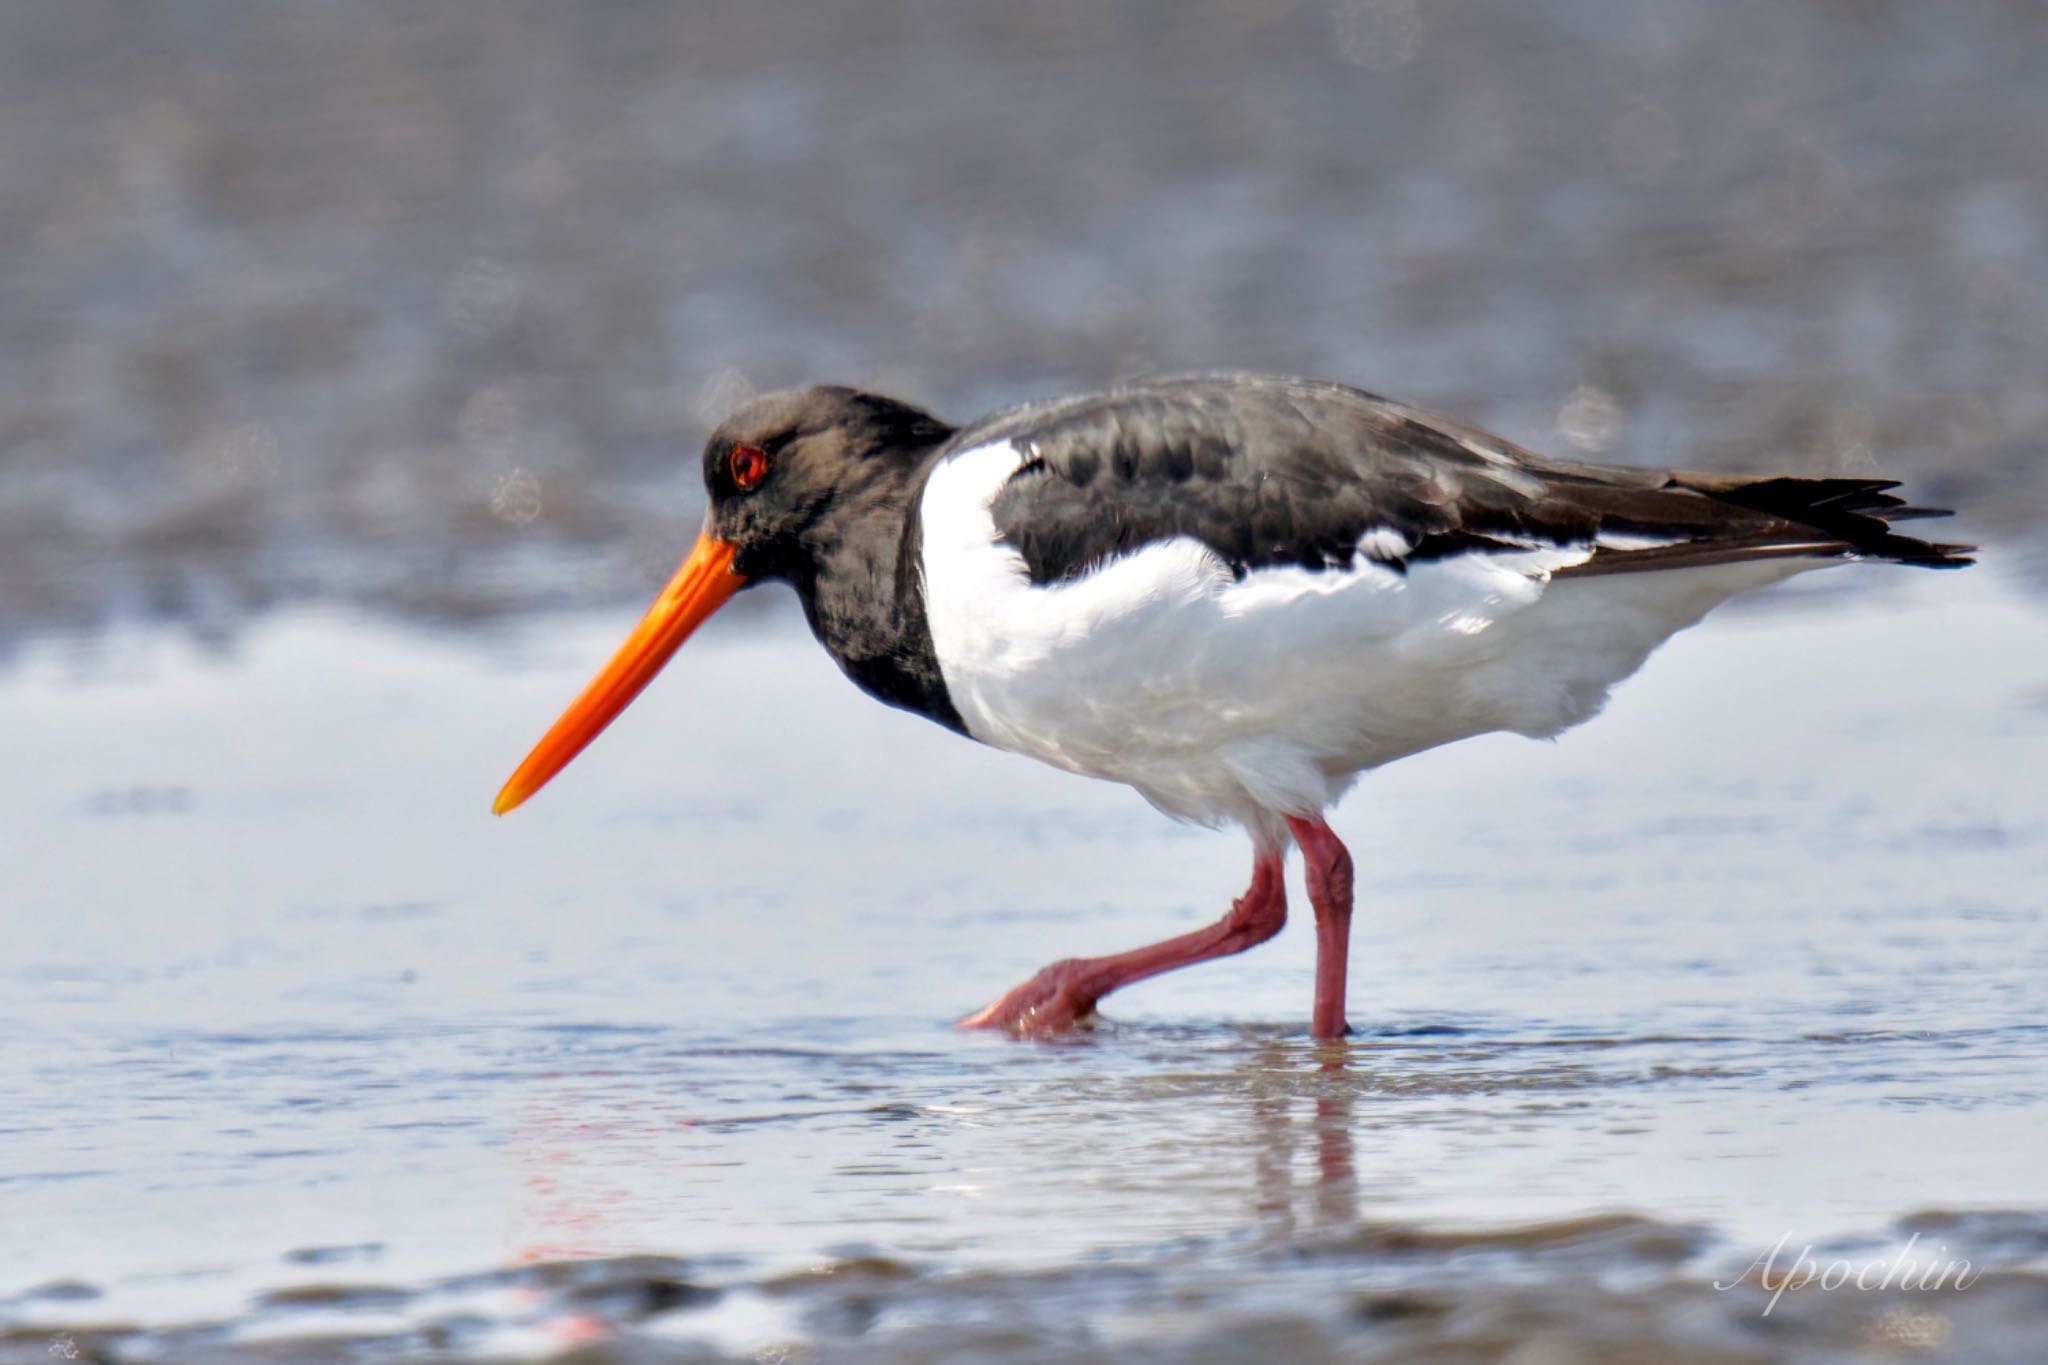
[1226, 699]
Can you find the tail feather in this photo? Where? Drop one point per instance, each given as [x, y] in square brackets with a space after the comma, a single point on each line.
[1823, 518]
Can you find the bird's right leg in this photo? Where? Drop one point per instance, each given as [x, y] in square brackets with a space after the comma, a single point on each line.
[1065, 993]
[1327, 864]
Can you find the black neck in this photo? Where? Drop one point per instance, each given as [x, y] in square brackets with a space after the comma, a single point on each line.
[861, 579]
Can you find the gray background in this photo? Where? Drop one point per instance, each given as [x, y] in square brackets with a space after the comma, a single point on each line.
[429, 307]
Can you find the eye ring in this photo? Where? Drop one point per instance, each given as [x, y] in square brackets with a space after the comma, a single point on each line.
[748, 465]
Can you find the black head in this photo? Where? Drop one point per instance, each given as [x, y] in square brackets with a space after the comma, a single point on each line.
[778, 465]
[788, 474]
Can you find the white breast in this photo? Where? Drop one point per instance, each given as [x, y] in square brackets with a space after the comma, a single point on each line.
[1226, 699]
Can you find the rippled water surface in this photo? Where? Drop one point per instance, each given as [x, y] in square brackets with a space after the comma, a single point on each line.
[305, 1048]
[342, 343]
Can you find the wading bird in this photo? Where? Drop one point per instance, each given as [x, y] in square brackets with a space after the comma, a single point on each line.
[1233, 593]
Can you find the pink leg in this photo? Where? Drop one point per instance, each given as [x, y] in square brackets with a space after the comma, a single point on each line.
[1065, 993]
[1328, 867]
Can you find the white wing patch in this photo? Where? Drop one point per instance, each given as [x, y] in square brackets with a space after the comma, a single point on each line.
[1623, 540]
[1222, 698]
[1385, 543]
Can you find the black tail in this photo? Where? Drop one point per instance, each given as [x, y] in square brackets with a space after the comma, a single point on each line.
[1796, 519]
[1855, 514]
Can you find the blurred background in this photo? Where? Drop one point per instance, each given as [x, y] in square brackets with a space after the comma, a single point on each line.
[429, 308]
[355, 362]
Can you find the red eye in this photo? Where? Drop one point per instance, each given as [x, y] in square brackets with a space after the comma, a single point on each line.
[749, 466]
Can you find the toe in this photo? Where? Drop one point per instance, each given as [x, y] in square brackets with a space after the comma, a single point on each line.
[1044, 1005]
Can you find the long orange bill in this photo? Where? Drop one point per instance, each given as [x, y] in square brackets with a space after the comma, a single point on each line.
[699, 588]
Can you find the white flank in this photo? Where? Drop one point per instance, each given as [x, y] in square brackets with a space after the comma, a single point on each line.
[1221, 699]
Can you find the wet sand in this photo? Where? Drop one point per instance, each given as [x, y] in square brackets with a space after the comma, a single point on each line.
[431, 310]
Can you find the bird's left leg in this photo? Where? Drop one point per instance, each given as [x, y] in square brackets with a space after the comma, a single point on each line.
[1327, 864]
[1065, 993]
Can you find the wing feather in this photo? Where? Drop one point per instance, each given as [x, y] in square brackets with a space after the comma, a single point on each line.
[1269, 472]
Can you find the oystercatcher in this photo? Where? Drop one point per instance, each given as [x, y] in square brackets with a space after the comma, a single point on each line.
[1233, 593]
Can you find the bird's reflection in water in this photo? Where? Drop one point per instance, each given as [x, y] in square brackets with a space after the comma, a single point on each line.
[1316, 1105]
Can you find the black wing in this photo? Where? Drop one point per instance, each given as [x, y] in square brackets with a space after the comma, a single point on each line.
[1289, 472]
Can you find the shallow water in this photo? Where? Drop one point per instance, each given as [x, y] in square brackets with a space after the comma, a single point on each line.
[426, 311]
[309, 1057]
